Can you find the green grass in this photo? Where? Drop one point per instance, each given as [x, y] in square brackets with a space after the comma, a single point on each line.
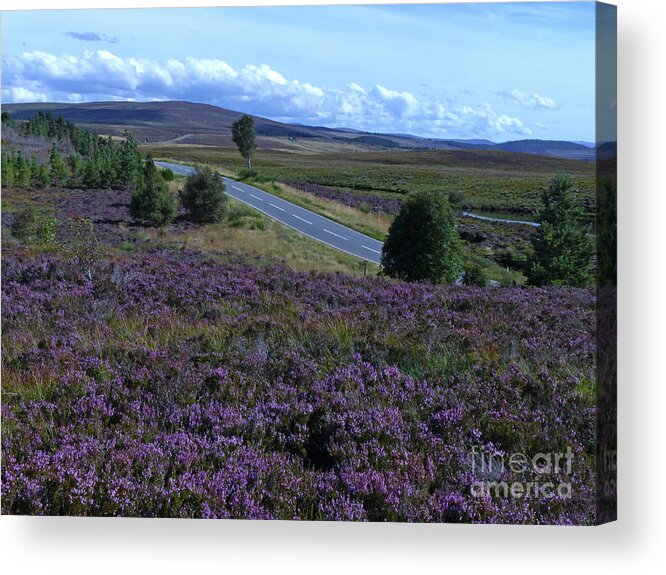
[486, 180]
[371, 224]
[248, 232]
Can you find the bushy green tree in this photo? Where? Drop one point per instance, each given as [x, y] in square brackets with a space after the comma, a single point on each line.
[24, 178]
[151, 200]
[90, 173]
[42, 176]
[562, 244]
[422, 242]
[75, 165]
[8, 171]
[244, 135]
[58, 172]
[130, 163]
[203, 196]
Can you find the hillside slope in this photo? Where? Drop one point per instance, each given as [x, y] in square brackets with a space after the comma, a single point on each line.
[194, 123]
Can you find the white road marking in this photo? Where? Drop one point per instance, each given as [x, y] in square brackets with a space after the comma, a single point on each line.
[305, 233]
[257, 198]
[302, 219]
[301, 231]
[334, 234]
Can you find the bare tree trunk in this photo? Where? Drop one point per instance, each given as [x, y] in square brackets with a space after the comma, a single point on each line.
[249, 163]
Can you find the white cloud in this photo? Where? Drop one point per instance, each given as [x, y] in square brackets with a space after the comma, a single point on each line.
[19, 94]
[256, 89]
[533, 101]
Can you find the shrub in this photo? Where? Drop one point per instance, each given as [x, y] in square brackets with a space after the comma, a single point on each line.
[33, 226]
[203, 196]
[562, 245]
[245, 173]
[474, 275]
[151, 201]
[456, 198]
[422, 242]
[167, 174]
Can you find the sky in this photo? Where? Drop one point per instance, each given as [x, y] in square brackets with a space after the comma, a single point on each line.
[488, 71]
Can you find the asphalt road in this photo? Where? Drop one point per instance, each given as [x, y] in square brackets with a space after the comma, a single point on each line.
[304, 221]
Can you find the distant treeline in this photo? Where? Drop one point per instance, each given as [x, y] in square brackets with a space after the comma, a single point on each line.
[96, 162]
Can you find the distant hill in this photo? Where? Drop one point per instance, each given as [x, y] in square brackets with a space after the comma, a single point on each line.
[193, 123]
[155, 121]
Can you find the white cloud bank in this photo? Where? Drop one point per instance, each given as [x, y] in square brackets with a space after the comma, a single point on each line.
[532, 101]
[102, 75]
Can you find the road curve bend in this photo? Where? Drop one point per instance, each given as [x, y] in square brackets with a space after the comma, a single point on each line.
[297, 218]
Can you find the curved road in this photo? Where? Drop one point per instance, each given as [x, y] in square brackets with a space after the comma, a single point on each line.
[304, 221]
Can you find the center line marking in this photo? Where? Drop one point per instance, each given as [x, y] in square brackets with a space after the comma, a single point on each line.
[237, 188]
[302, 219]
[334, 234]
[367, 248]
[258, 198]
[278, 207]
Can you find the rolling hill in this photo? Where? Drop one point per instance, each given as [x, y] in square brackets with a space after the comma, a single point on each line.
[193, 123]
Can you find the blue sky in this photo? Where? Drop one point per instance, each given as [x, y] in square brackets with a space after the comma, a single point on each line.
[496, 71]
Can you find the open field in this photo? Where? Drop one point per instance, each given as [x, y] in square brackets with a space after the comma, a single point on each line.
[485, 180]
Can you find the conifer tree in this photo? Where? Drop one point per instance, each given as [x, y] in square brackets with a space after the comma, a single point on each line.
[562, 245]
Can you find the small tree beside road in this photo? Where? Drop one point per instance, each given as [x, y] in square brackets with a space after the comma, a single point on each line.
[203, 196]
[151, 201]
[244, 135]
[423, 243]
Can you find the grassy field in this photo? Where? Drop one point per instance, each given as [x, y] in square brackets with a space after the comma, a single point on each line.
[248, 232]
[485, 180]
[371, 224]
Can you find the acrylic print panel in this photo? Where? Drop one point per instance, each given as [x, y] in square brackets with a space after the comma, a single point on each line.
[284, 266]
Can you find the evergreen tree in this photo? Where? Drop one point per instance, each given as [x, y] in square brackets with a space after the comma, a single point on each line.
[8, 171]
[75, 165]
[91, 177]
[422, 242]
[42, 176]
[244, 135]
[562, 245]
[203, 196]
[34, 171]
[58, 172]
[24, 178]
[151, 201]
[129, 170]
